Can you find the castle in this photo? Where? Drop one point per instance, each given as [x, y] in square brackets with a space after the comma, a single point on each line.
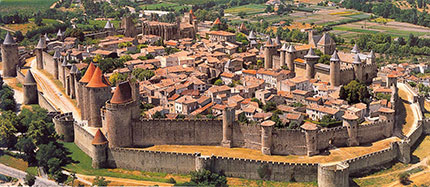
[343, 68]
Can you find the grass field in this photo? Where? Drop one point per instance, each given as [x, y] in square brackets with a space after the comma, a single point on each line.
[157, 6]
[248, 9]
[25, 27]
[26, 6]
[17, 164]
[98, 24]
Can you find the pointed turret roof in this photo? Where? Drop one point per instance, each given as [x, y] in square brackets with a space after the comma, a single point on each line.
[46, 37]
[311, 54]
[41, 44]
[277, 41]
[357, 59]
[108, 25]
[291, 49]
[251, 36]
[99, 138]
[371, 54]
[74, 69]
[88, 74]
[122, 93]
[284, 47]
[59, 33]
[217, 21]
[335, 57]
[29, 79]
[57, 54]
[64, 62]
[8, 40]
[269, 41]
[325, 40]
[97, 80]
[355, 49]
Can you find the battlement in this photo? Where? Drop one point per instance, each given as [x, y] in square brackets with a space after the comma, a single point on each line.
[369, 155]
[376, 123]
[185, 119]
[340, 128]
[346, 69]
[64, 117]
[128, 150]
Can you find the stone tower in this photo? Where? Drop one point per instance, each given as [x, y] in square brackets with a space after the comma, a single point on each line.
[99, 92]
[57, 58]
[73, 73]
[355, 49]
[9, 51]
[289, 57]
[387, 114]
[100, 144]
[371, 58]
[64, 126]
[266, 137]
[326, 44]
[283, 50]
[269, 51]
[350, 121]
[228, 116]
[83, 99]
[311, 130]
[333, 174]
[41, 45]
[311, 59]
[120, 113]
[109, 28]
[63, 72]
[335, 69]
[358, 68]
[128, 25]
[59, 35]
[30, 89]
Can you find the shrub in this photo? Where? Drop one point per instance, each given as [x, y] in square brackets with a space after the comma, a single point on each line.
[404, 178]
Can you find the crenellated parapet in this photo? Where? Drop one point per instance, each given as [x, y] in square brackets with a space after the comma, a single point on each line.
[64, 126]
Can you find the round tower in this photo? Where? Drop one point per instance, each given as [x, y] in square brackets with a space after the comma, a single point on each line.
[266, 137]
[335, 69]
[290, 57]
[404, 154]
[56, 57]
[350, 121]
[358, 68]
[203, 162]
[41, 45]
[282, 55]
[388, 115]
[73, 71]
[119, 116]
[30, 89]
[311, 130]
[84, 100]
[9, 51]
[371, 58]
[100, 144]
[99, 92]
[333, 174]
[311, 59]
[64, 126]
[269, 51]
[63, 72]
[228, 116]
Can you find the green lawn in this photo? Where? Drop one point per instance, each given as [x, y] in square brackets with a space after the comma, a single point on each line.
[25, 6]
[248, 9]
[349, 29]
[98, 24]
[17, 164]
[46, 21]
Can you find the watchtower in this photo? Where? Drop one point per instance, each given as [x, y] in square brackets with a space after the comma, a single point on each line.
[41, 45]
[30, 89]
[350, 121]
[100, 144]
[83, 99]
[9, 51]
[335, 69]
[311, 59]
[269, 51]
[98, 93]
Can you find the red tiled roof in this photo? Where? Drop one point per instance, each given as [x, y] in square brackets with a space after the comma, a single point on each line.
[97, 80]
[88, 74]
[99, 138]
[122, 93]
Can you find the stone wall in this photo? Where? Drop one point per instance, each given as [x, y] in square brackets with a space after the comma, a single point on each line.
[179, 132]
[371, 132]
[285, 142]
[44, 103]
[48, 63]
[346, 75]
[247, 135]
[20, 77]
[337, 136]
[83, 140]
[361, 165]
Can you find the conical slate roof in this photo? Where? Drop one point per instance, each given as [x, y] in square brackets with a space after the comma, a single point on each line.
[41, 44]
[357, 59]
[251, 35]
[291, 49]
[29, 79]
[108, 25]
[57, 54]
[355, 49]
[74, 69]
[8, 40]
[88, 74]
[64, 62]
[269, 41]
[311, 54]
[284, 47]
[97, 80]
[59, 33]
[371, 54]
[122, 93]
[335, 57]
[99, 138]
[46, 37]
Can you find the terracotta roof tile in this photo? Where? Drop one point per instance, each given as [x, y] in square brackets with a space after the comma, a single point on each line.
[99, 138]
[98, 80]
[122, 93]
[88, 74]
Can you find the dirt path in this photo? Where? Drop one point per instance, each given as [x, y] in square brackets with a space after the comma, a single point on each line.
[125, 182]
[421, 163]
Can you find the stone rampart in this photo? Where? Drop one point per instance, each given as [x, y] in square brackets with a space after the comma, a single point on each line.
[45, 103]
[48, 63]
[247, 135]
[363, 164]
[287, 142]
[83, 139]
[64, 126]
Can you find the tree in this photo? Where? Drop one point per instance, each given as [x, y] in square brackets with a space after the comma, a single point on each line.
[206, 178]
[404, 178]
[29, 179]
[218, 82]
[270, 106]
[158, 115]
[77, 33]
[142, 74]
[242, 118]
[260, 104]
[41, 132]
[38, 20]
[100, 181]
[354, 92]
[117, 77]
[26, 146]
[7, 132]
[52, 157]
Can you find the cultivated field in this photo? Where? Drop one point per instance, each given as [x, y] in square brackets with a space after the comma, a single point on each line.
[27, 6]
[24, 27]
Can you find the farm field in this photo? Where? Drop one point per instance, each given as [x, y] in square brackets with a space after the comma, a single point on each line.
[393, 28]
[328, 16]
[24, 27]
[157, 6]
[28, 6]
[250, 9]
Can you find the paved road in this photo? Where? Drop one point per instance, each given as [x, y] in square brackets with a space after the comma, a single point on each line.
[53, 93]
[15, 173]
